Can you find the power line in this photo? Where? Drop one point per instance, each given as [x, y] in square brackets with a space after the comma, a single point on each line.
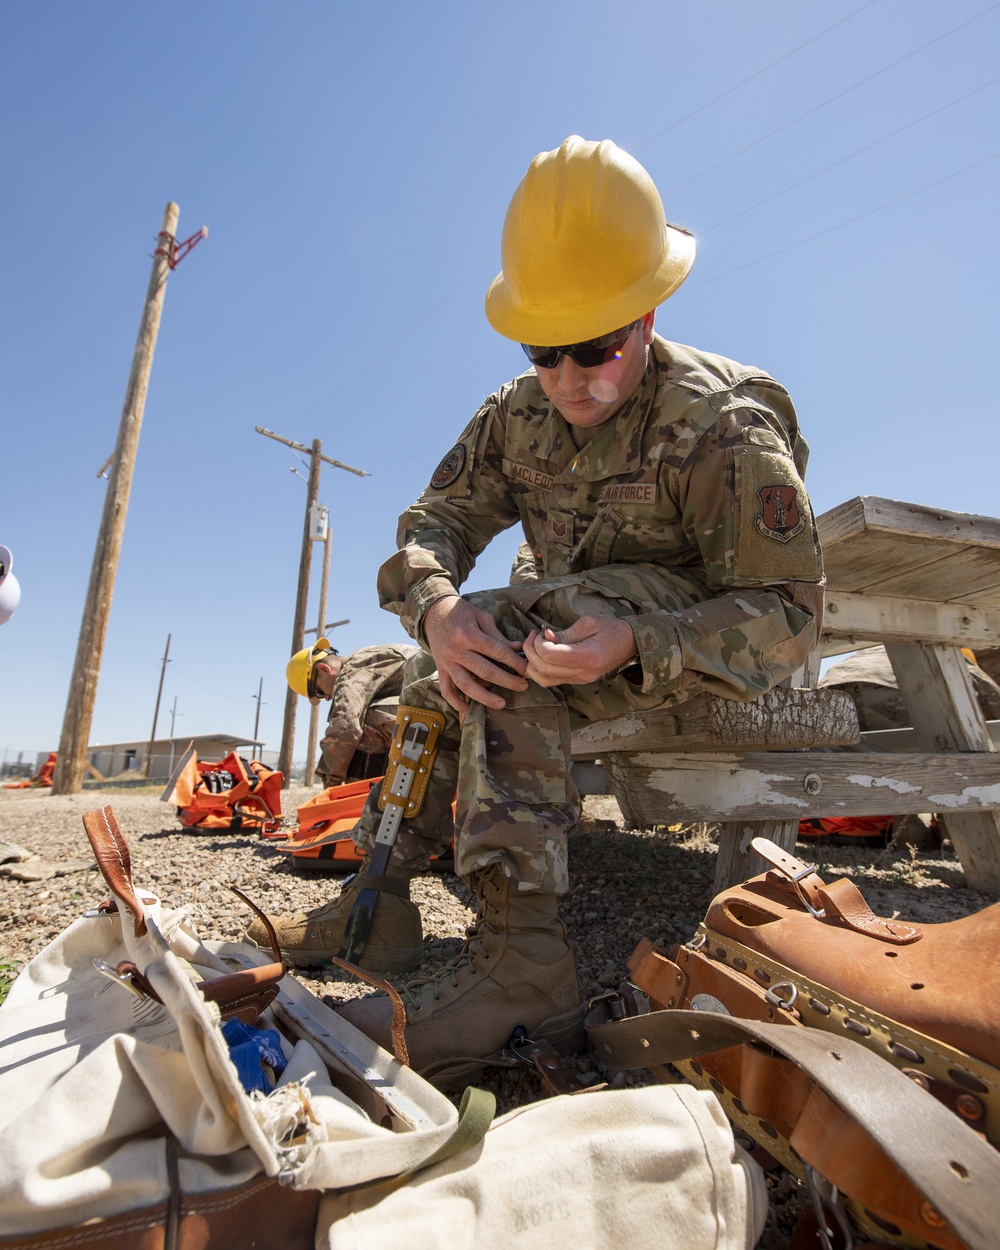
[717, 225]
[688, 116]
[465, 407]
[831, 99]
[760, 260]
[756, 74]
[402, 339]
[849, 222]
[218, 693]
[404, 384]
[850, 156]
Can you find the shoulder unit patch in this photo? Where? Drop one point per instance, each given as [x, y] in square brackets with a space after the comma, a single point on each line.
[779, 517]
[449, 468]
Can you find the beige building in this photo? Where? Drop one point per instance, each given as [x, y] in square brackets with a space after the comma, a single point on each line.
[120, 760]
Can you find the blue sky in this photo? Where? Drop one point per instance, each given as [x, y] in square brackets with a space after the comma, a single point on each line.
[837, 162]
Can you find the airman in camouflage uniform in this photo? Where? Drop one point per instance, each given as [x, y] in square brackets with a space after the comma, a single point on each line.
[673, 550]
[525, 567]
[362, 708]
[664, 520]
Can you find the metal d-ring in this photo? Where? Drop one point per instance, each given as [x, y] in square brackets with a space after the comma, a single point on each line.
[825, 1196]
[774, 998]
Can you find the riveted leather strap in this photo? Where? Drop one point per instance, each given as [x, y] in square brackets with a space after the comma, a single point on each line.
[114, 861]
[840, 902]
[951, 1166]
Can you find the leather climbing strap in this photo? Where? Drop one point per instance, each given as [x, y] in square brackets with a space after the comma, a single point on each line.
[840, 902]
[954, 1168]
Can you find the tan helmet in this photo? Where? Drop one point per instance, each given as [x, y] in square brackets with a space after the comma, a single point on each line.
[586, 247]
[299, 669]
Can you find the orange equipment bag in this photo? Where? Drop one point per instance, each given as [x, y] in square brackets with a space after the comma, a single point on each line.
[322, 842]
[847, 830]
[232, 794]
[42, 778]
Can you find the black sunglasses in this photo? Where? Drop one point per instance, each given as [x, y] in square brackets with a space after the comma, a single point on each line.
[587, 355]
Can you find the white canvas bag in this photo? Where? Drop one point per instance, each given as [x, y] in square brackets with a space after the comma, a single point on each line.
[638, 1169]
[112, 1102]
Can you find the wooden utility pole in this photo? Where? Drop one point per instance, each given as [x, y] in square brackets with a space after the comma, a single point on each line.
[324, 587]
[315, 454]
[68, 775]
[256, 719]
[156, 710]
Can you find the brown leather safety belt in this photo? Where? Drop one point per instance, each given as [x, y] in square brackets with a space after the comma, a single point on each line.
[956, 1170]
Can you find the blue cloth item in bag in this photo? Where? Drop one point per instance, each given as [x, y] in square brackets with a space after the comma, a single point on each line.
[250, 1049]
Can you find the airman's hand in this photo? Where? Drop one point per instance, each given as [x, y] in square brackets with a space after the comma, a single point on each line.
[590, 648]
[471, 654]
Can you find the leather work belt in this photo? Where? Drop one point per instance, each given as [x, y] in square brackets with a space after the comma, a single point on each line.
[880, 1118]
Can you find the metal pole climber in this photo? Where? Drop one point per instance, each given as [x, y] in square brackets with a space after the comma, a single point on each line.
[68, 775]
[302, 595]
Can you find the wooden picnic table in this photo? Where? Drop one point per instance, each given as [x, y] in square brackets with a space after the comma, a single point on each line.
[925, 583]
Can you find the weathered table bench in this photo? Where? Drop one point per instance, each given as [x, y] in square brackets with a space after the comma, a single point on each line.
[923, 582]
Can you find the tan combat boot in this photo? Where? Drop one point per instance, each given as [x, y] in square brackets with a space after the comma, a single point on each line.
[515, 968]
[395, 941]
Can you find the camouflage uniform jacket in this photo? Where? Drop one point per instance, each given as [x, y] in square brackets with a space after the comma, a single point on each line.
[367, 674]
[697, 477]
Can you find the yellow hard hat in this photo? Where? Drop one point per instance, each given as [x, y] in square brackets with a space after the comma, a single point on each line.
[586, 247]
[299, 669]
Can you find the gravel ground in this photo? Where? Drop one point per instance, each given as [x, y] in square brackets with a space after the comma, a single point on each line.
[627, 884]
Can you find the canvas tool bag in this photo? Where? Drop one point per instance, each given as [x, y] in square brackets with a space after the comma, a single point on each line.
[124, 1123]
[654, 1168]
[861, 1052]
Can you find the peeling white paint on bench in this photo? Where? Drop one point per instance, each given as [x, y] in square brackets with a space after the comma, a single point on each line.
[885, 783]
[976, 796]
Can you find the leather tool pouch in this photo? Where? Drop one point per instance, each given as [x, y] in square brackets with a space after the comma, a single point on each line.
[788, 951]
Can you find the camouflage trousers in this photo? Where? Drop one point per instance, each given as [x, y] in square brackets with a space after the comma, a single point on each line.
[508, 769]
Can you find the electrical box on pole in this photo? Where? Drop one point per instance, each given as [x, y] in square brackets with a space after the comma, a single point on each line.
[313, 509]
[318, 522]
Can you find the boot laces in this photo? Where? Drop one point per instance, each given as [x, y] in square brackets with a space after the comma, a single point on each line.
[420, 989]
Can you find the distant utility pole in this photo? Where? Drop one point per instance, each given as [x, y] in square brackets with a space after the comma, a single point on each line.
[324, 587]
[315, 454]
[256, 719]
[156, 710]
[68, 775]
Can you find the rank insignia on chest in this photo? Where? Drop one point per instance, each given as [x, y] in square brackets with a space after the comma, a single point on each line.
[558, 530]
[449, 468]
[779, 517]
